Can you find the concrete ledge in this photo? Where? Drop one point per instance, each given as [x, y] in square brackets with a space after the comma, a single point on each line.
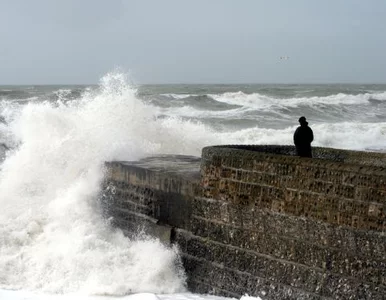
[361, 158]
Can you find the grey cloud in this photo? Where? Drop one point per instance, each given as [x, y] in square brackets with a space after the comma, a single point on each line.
[77, 41]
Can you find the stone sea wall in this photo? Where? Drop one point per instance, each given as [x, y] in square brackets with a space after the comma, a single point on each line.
[262, 221]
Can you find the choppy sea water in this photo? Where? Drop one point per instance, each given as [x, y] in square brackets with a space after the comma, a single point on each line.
[54, 244]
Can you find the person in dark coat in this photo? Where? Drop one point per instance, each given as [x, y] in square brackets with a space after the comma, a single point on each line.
[303, 138]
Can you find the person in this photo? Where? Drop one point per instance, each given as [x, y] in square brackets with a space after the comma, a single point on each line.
[303, 138]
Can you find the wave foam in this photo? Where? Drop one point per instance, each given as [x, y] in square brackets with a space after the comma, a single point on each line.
[52, 236]
[259, 101]
[178, 96]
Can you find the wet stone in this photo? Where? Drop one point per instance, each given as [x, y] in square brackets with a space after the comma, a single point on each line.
[260, 220]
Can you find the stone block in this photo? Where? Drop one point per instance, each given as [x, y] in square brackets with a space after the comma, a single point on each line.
[226, 172]
[246, 262]
[209, 192]
[247, 213]
[321, 187]
[235, 216]
[318, 233]
[237, 236]
[256, 178]
[306, 171]
[199, 207]
[246, 176]
[198, 226]
[255, 192]
[192, 265]
[339, 287]
[370, 244]
[328, 175]
[370, 195]
[310, 255]
[376, 210]
[270, 180]
[259, 166]
[236, 162]
[223, 191]
[349, 178]
[259, 220]
[373, 223]
[218, 231]
[366, 181]
[216, 161]
[309, 205]
[271, 194]
[284, 169]
[230, 257]
[279, 247]
[344, 191]
[255, 242]
[180, 237]
[198, 248]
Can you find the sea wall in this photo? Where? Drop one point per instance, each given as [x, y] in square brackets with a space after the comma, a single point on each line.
[262, 221]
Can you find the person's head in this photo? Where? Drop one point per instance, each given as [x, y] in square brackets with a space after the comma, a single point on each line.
[302, 121]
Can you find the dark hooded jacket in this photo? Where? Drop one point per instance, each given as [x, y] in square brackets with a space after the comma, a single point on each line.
[303, 137]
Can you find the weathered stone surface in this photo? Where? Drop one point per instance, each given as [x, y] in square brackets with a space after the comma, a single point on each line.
[259, 220]
[338, 186]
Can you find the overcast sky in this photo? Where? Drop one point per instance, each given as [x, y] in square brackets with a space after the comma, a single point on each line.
[193, 41]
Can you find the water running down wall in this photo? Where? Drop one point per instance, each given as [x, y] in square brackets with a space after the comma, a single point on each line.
[259, 220]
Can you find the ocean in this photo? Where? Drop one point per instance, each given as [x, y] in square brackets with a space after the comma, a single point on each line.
[54, 140]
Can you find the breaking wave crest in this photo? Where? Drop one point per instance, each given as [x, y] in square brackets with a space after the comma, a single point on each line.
[52, 235]
[259, 101]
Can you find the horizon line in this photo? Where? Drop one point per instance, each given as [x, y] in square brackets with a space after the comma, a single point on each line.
[201, 83]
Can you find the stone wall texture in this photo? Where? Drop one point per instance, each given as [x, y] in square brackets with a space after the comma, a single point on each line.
[262, 221]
